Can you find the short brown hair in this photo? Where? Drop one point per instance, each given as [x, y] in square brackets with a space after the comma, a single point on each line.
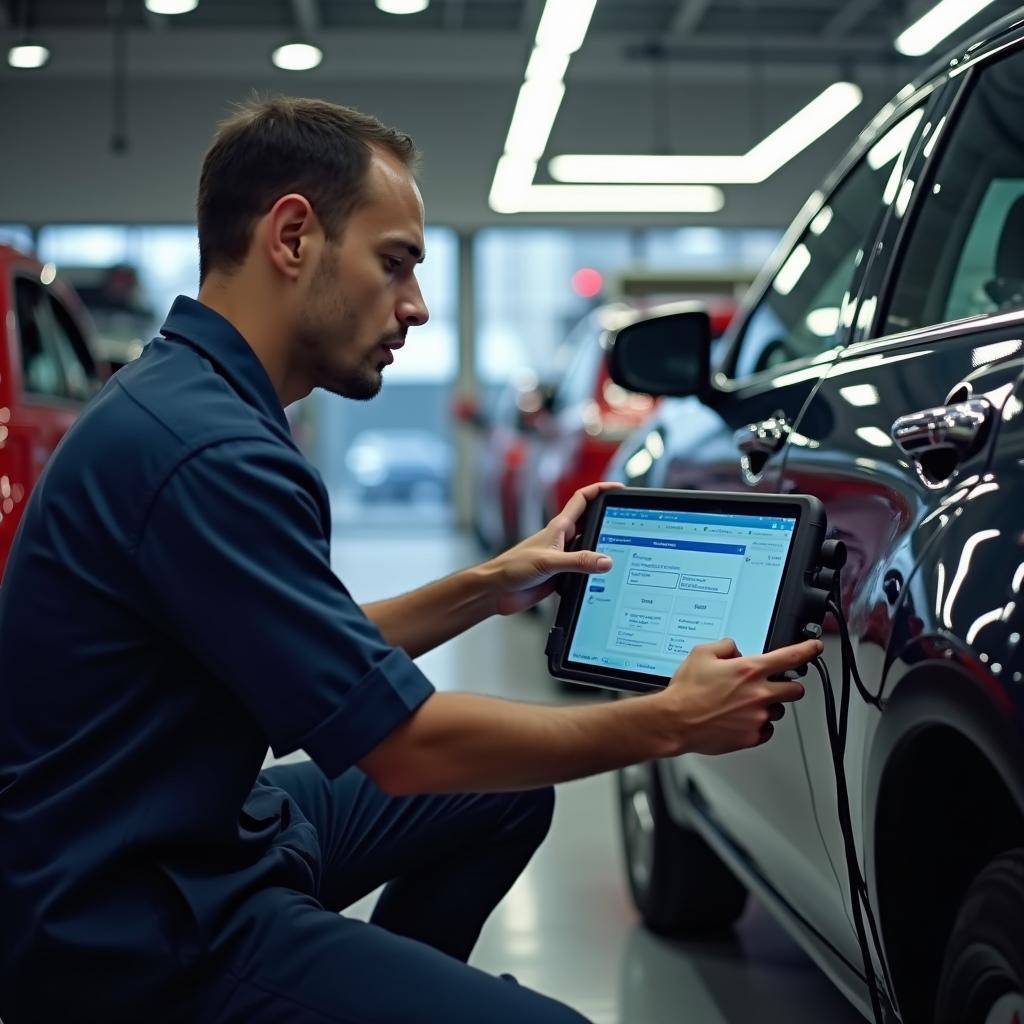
[270, 147]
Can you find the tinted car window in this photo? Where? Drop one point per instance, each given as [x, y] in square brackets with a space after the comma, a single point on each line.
[81, 379]
[800, 313]
[40, 362]
[966, 253]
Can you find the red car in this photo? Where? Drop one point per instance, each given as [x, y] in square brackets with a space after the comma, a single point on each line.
[584, 418]
[498, 444]
[47, 373]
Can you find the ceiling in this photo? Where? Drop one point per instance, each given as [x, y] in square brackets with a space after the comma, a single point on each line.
[788, 27]
[681, 76]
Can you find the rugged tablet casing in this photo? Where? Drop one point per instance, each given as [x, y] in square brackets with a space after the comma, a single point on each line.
[800, 602]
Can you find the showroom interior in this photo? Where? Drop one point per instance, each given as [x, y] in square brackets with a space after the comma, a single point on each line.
[587, 167]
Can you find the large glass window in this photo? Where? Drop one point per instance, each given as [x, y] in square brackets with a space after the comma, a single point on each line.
[708, 250]
[534, 284]
[393, 456]
[526, 298]
[387, 452]
[164, 257]
[966, 254]
[803, 308]
[126, 275]
[18, 235]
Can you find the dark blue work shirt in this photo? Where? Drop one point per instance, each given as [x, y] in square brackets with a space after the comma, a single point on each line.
[169, 611]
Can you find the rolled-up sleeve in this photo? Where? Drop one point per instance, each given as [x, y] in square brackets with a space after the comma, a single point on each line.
[235, 554]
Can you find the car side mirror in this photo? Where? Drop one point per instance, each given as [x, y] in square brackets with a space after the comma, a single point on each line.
[664, 355]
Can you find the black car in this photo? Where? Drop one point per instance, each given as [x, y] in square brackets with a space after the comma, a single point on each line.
[879, 365]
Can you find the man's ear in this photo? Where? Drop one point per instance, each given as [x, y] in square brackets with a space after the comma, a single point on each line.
[292, 235]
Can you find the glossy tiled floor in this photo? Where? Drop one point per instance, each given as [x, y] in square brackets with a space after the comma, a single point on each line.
[568, 928]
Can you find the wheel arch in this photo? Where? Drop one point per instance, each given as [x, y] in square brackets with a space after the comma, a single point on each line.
[945, 787]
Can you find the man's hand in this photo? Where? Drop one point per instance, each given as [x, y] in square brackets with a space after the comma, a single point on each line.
[523, 575]
[719, 701]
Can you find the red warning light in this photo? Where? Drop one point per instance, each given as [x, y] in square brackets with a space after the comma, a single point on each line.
[587, 282]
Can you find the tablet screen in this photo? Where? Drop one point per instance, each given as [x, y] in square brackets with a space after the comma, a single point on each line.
[679, 579]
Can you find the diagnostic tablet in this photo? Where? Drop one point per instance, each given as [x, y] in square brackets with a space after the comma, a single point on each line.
[688, 567]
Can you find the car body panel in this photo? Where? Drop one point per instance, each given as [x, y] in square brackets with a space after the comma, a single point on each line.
[31, 426]
[738, 793]
[886, 515]
[931, 590]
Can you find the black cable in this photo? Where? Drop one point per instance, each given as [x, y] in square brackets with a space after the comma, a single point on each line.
[849, 669]
[837, 721]
[846, 827]
[849, 662]
[838, 762]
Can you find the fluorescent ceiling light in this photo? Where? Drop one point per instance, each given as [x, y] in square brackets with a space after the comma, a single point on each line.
[621, 199]
[874, 436]
[823, 322]
[171, 6]
[944, 18]
[997, 350]
[893, 142]
[562, 29]
[807, 126]
[821, 221]
[402, 6]
[297, 57]
[652, 170]
[564, 23]
[511, 183]
[546, 65]
[27, 55]
[782, 145]
[792, 270]
[534, 115]
[861, 394]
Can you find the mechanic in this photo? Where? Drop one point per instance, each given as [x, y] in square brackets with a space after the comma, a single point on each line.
[169, 611]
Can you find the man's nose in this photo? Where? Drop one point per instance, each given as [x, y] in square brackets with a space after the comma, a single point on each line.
[412, 310]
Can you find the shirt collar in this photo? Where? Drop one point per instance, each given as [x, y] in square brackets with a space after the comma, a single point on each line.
[212, 335]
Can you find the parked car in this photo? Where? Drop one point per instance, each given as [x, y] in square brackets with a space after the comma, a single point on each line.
[548, 432]
[878, 364]
[48, 370]
[400, 465]
[579, 416]
[498, 444]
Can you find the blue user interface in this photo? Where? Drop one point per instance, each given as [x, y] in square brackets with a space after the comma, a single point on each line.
[679, 579]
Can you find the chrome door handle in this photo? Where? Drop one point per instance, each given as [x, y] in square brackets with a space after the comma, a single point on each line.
[958, 429]
[758, 442]
[939, 439]
[763, 438]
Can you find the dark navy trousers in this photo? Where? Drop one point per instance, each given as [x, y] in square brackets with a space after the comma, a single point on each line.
[445, 861]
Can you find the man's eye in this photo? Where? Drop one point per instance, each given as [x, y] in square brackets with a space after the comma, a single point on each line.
[391, 264]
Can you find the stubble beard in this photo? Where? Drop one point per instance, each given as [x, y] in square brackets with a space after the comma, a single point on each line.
[330, 326]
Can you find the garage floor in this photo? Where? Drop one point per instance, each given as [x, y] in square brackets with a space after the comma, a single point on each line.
[567, 928]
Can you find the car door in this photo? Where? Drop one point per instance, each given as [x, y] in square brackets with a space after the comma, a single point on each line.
[53, 374]
[897, 431]
[783, 347]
